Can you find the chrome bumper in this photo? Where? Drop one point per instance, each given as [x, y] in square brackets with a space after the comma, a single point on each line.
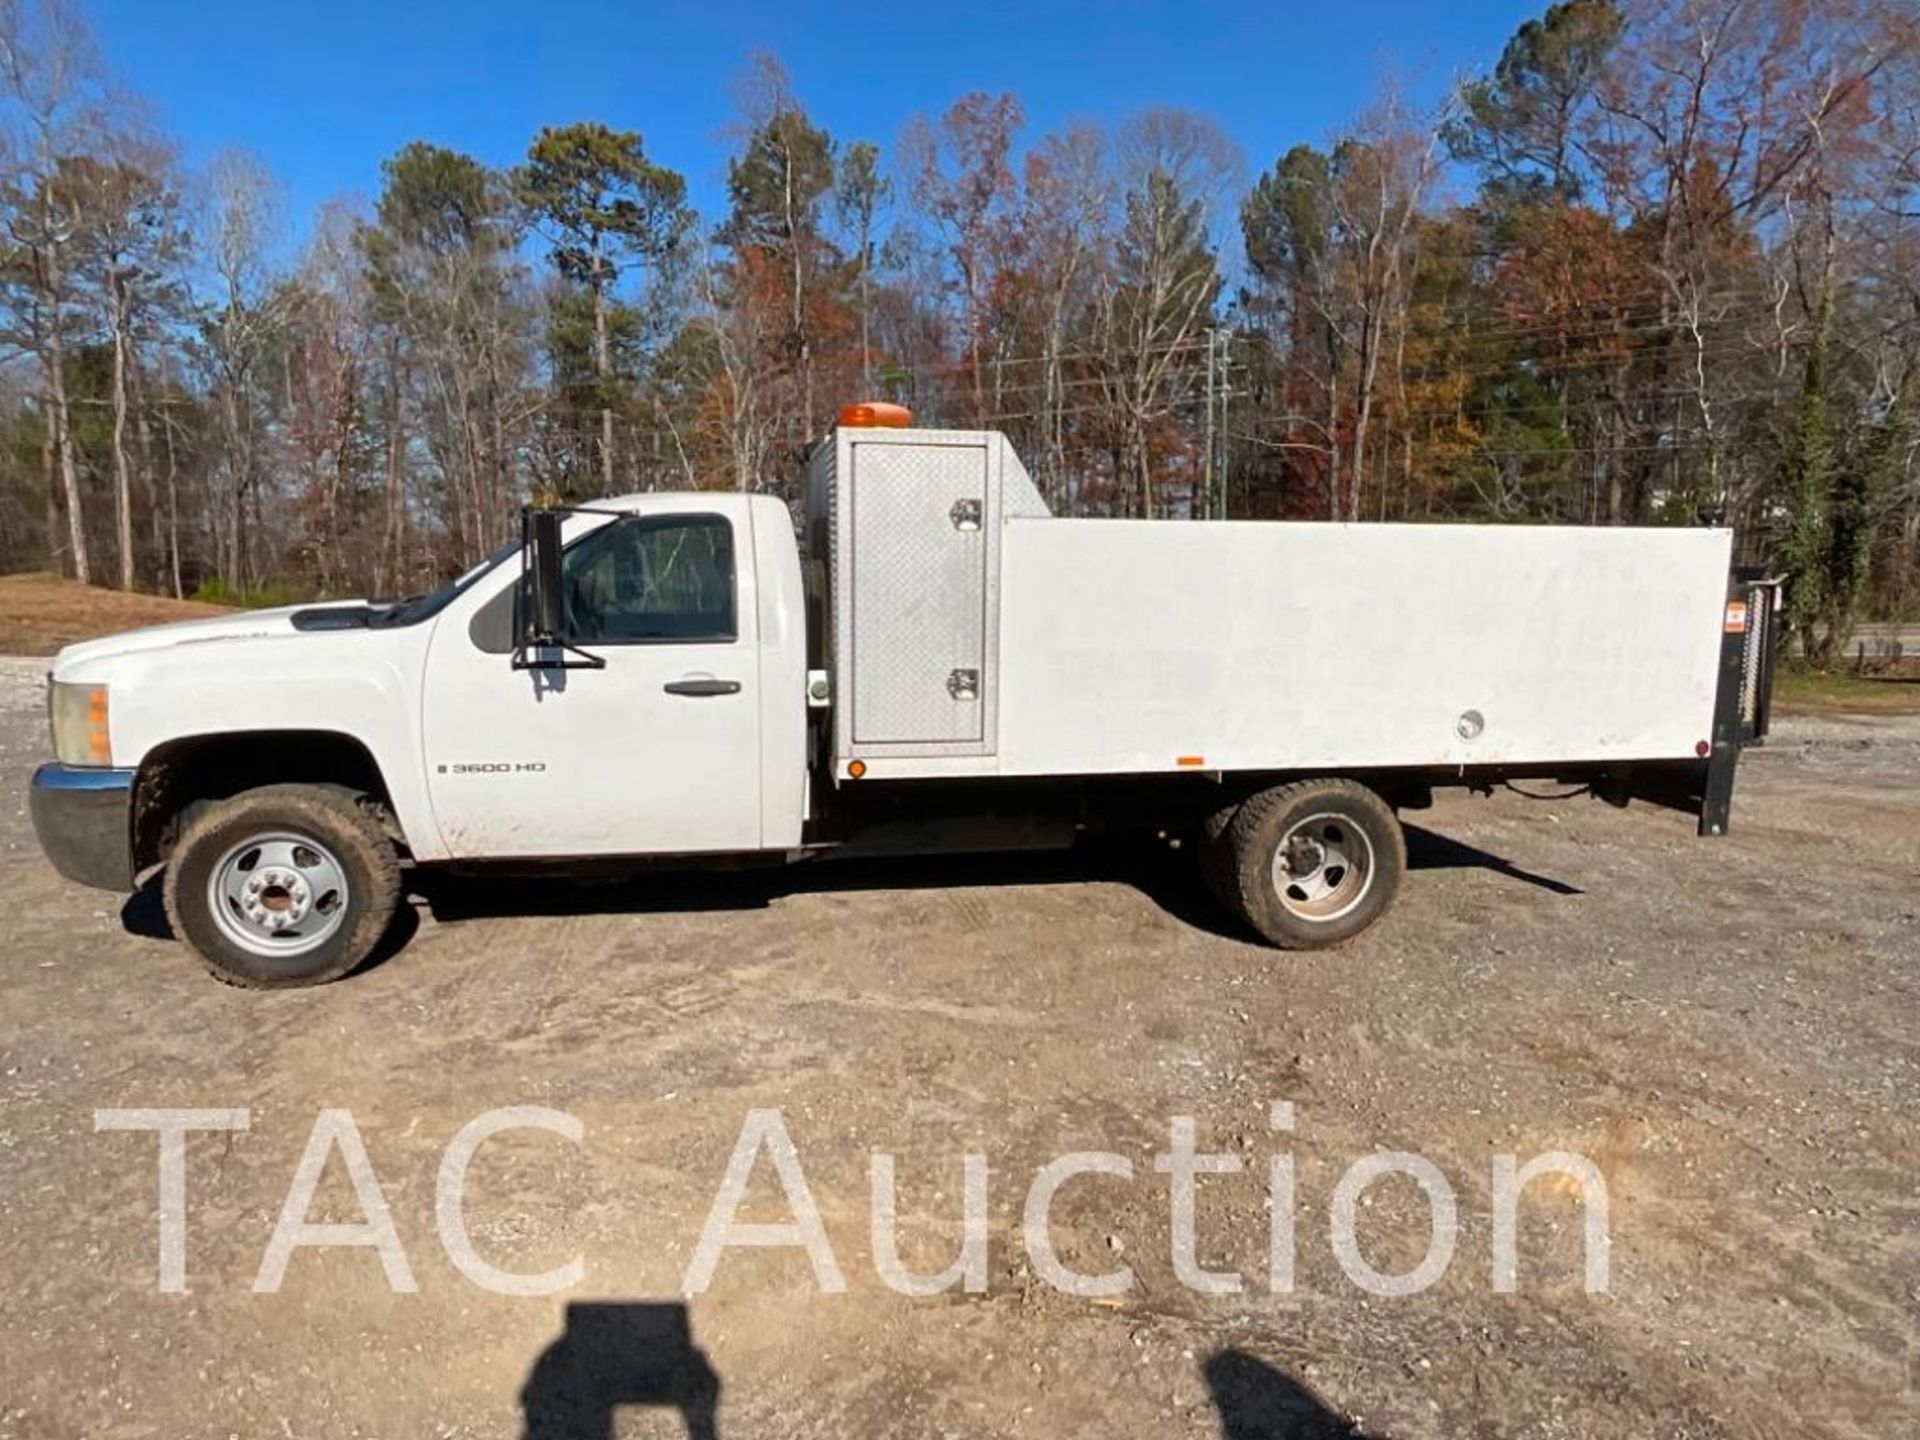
[83, 817]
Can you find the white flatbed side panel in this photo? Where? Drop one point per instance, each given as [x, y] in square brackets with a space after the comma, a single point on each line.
[1145, 645]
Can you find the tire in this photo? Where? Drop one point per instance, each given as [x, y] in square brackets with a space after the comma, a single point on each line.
[1216, 857]
[282, 886]
[1310, 864]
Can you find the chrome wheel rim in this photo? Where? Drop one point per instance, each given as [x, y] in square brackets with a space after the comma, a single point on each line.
[1323, 868]
[278, 894]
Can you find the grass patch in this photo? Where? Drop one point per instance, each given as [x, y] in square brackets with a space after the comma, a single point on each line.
[271, 596]
[39, 613]
[1798, 687]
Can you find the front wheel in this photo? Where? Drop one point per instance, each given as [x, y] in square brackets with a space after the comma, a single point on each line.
[281, 886]
[1309, 864]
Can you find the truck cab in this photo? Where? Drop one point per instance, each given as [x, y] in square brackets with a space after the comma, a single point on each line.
[686, 732]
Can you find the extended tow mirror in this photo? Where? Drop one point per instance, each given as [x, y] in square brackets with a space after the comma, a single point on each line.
[542, 641]
[547, 617]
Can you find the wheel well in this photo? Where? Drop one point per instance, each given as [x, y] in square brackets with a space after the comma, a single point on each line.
[179, 778]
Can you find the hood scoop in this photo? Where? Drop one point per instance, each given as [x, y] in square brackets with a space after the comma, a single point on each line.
[334, 617]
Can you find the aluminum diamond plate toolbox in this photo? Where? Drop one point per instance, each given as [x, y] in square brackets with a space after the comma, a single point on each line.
[919, 593]
[911, 520]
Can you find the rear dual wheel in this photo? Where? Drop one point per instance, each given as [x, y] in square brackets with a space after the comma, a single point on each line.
[1307, 864]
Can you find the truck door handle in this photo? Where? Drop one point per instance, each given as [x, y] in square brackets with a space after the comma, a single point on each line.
[703, 686]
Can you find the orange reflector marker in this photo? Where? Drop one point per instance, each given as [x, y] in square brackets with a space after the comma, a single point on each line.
[1191, 762]
[856, 768]
[99, 746]
[1736, 617]
[875, 415]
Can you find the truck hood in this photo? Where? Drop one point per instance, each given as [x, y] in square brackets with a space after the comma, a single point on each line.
[245, 625]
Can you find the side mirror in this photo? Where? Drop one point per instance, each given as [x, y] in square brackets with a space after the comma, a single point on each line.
[541, 643]
[547, 608]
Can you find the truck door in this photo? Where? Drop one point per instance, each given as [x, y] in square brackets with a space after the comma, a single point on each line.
[656, 753]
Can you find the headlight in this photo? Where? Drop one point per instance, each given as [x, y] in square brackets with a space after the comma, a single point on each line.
[79, 714]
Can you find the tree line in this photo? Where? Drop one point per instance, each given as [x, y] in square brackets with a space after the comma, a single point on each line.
[1659, 265]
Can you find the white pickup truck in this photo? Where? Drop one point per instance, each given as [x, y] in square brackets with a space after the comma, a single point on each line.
[931, 662]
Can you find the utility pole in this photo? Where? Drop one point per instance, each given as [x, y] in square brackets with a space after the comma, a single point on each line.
[1226, 439]
[1206, 510]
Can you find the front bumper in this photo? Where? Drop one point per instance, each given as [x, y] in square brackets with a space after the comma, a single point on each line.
[83, 816]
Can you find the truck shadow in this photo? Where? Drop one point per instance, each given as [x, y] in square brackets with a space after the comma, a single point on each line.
[1429, 850]
[1171, 882]
[1171, 885]
[144, 913]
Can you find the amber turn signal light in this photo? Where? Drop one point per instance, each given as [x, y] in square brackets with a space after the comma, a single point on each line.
[875, 415]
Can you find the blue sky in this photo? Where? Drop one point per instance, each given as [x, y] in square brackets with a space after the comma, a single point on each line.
[325, 91]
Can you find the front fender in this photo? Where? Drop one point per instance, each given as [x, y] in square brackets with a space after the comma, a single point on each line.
[361, 685]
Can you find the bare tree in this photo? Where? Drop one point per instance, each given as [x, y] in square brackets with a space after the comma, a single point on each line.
[239, 219]
[1066, 199]
[736, 332]
[138, 247]
[328, 358]
[53, 113]
[778, 185]
[1175, 170]
[860, 194]
[1382, 174]
[963, 184]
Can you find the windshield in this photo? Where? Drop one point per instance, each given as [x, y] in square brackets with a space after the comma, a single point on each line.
[425, 607]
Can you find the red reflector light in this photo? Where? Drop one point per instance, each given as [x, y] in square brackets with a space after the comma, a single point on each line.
[1703, 749]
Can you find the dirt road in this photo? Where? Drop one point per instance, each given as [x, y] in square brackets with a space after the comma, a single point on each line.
[1728, 1030]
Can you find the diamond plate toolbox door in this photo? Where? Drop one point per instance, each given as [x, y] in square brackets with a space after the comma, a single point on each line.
[920, 552]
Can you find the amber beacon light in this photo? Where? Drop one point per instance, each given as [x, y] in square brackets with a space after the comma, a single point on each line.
[875, 415]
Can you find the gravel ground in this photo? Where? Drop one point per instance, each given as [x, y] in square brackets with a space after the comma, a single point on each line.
[1726, 1029]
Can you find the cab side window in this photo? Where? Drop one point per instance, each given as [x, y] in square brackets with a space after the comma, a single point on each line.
[668, 578]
